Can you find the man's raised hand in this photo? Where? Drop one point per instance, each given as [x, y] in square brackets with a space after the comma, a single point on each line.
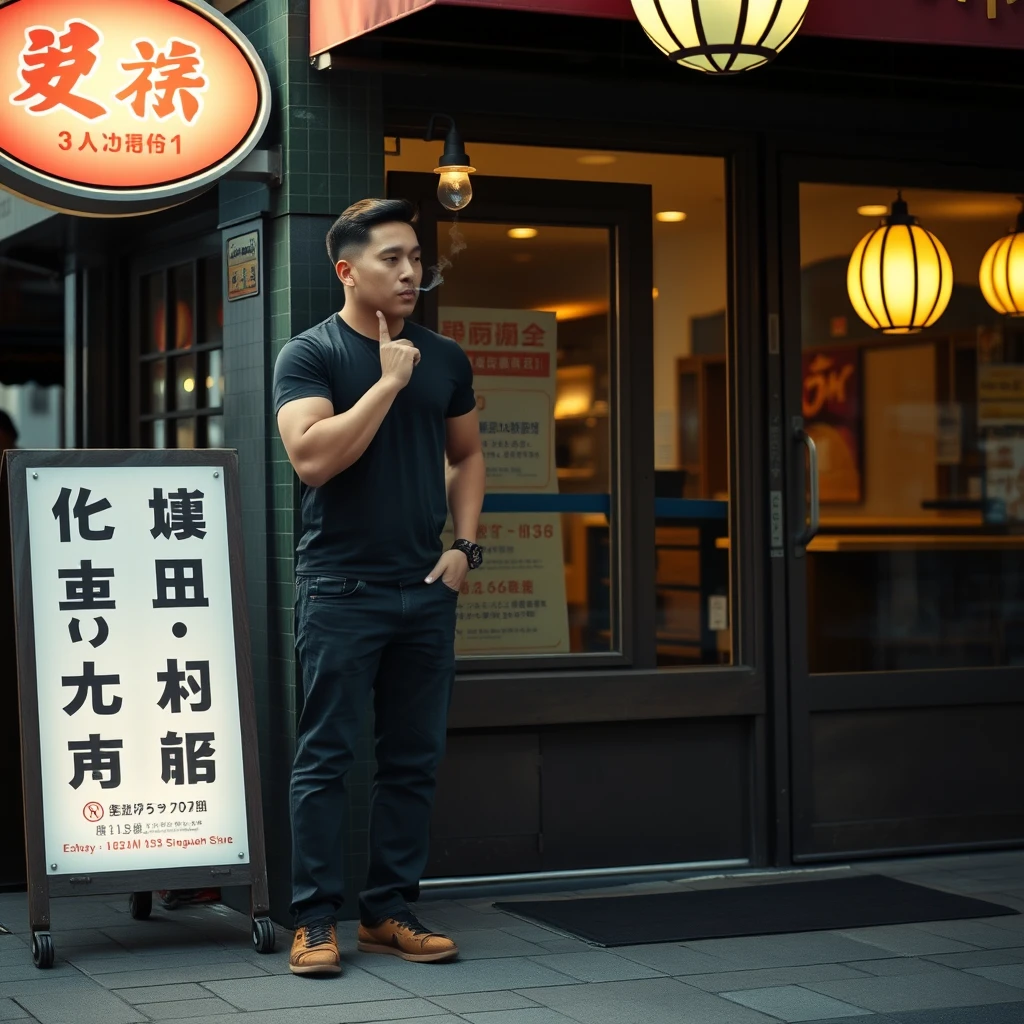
[397, 358]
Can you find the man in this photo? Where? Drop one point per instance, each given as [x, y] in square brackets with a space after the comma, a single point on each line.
[8, 433]
[369, 406]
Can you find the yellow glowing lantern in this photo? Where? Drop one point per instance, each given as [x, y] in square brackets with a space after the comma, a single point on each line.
[900, 277]
[1002, 272]
[720, 36]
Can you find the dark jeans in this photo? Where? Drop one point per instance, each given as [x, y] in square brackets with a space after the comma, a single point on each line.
[352, 638]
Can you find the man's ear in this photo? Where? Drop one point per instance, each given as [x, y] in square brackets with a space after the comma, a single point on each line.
[343, 268]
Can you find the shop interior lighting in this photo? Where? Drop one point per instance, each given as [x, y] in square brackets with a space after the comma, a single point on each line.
[1002, 272]
[720, 37]
[900, 277]
[873, 210]
[454, 189]
[671, 216]
[522, 232]
[596, 159]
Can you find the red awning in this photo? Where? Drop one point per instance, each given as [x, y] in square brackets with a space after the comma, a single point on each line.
[965, 22]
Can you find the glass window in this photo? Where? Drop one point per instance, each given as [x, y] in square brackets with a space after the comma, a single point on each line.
[919, 562]
[557, 279]
[539, 344]
[691, 414]
[181, 392]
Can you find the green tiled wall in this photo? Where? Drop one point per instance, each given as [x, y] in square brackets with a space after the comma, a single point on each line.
[330, 127]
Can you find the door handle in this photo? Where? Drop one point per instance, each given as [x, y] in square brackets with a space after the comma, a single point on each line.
[810, 530]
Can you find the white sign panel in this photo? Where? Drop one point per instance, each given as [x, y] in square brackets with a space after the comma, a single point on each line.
[516, 602]
[139, 727]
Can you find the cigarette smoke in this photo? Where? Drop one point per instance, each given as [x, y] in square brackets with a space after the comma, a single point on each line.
[458, 243]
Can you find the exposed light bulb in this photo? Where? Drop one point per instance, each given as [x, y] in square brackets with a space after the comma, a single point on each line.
[454, 189]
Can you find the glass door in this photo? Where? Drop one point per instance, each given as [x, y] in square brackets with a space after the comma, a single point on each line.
[904, 400]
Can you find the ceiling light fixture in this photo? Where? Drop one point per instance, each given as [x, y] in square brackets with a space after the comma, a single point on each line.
[454, 189]
[900, 277]
[522, 232]
[720, 36]
[671, 216]
[873, 210]
[596, 159]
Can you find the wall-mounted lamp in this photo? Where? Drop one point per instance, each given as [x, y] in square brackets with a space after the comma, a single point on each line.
[454, 189]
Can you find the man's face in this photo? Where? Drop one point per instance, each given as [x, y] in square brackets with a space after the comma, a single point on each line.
[387, 273]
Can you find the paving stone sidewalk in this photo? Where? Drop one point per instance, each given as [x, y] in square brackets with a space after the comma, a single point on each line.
[197, 964]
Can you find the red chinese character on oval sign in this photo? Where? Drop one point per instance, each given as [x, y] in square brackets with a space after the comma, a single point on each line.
[167, 82]
[51, 67]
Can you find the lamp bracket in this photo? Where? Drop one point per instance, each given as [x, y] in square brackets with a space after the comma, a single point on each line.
[262, 165]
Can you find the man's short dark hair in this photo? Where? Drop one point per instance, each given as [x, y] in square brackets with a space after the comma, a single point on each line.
[7, 425]
[352, 229]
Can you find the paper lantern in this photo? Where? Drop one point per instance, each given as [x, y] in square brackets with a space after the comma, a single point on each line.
[720, 36]
[900, 277]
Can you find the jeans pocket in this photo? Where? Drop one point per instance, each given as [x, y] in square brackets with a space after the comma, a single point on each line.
[334, 588]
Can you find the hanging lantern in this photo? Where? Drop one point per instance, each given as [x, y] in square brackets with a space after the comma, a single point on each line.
[720, 36]
[900, 277]
[1002, 272]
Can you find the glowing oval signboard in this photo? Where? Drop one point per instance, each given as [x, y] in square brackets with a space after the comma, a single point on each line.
[115, 107]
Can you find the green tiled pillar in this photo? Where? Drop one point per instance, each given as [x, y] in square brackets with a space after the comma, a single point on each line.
[330, 127]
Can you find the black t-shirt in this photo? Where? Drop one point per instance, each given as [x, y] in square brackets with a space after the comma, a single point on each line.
[381, 519]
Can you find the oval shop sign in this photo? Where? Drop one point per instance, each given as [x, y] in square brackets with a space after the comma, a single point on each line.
[117, 107]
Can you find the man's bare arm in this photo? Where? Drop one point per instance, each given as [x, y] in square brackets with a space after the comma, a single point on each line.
[467, 475]
[320, 444]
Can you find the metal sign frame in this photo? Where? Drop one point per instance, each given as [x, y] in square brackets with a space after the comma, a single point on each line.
[140, 883]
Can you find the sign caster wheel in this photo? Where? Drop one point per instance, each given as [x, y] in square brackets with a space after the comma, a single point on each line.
[263, 934]
[42, 950]
[140, 905]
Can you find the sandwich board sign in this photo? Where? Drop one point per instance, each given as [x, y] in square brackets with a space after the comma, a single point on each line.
[138, 730]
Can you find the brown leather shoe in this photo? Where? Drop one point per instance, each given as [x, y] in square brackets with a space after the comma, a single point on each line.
[315, 949]
[404, 936]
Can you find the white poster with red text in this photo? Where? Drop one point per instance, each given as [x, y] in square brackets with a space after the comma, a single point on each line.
[516, 602]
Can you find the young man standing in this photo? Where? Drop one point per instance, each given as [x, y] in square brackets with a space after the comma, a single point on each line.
[370, 406]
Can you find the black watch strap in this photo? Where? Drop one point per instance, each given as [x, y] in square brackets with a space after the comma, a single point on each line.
[473, 552]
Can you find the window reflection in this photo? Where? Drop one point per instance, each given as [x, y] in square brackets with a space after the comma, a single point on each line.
[920, 559]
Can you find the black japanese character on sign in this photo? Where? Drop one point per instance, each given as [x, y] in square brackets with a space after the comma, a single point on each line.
[100, 757]
[89, 681]
[83, 512]
[185, 517]
[197, 748]
[87, 588]
[179, 583]
[174, 689]
[102, 631]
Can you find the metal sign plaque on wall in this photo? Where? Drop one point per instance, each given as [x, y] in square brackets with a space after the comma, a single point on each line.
[110, 108]
[243, 266]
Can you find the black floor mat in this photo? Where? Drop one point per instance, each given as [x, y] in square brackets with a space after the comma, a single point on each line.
[862, 901]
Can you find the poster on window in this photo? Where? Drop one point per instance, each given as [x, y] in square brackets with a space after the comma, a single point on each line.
[139, 730]
[514, 353]
[516, 602]
[1004, 480]
[832, 417]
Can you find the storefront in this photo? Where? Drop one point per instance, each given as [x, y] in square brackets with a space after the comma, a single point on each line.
[694, 644]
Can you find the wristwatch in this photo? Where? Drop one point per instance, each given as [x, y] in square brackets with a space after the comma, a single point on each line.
[473, 552]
